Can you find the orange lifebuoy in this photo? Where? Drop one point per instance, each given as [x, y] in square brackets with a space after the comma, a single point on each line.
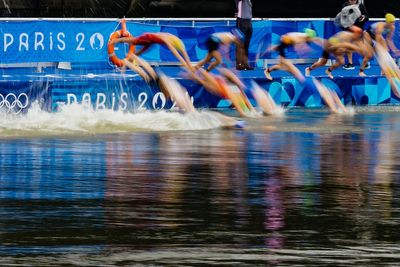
[111, 47]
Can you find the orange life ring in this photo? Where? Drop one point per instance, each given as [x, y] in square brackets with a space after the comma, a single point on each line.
[111, 49]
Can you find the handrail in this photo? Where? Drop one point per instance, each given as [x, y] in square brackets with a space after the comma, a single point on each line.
[165, 19]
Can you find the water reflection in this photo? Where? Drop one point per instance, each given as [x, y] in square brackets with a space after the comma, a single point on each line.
[325, 192]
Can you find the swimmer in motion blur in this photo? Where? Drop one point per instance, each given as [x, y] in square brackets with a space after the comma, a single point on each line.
[173, 90]
[287, 40]
[141, 67]
[338, 45]
[169, 87]
[264, 100]
[214, 41]
[389, 68]
[382, 33]
[172, 42]
[227, 86]
[261, 96]
[329, 96]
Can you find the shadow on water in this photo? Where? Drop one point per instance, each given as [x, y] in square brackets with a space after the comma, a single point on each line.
[307, 188]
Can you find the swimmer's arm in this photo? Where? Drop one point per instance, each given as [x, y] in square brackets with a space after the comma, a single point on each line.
[379, 37]
[269, 50]
[196, 78]
[123, 40]
[142, 50]
[209, 81]
[145, 65]
[318, 41]
[187, 59]
[389, 40]
[183, 61]
[232, 77]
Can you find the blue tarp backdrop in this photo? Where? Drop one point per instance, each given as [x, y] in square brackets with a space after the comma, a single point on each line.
[86, 41]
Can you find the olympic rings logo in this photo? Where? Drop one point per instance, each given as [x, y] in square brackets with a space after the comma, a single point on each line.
[13, 103]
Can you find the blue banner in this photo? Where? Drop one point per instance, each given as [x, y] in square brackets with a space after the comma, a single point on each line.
[133, 94]
[54, 41]
[86, 41]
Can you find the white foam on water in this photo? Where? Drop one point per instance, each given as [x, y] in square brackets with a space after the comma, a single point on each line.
[77, 119]
[279, 111]
[377, 109]
[350, 111]
[263, 98]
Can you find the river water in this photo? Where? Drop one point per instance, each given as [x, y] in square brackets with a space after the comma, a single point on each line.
[305, 188]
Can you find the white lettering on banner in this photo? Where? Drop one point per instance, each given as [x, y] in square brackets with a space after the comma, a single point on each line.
[86, 100]
[142, 98]
[80, 37]
[124, 101]
[156, 97]
[23, 43]
[40, 41]
[113, 101]
[10, 37]
[158, 101]
[51, 41]
[101, 101]
[71, 98]
[13, 103]
[96, 41]
[39, 38]
[60, 39]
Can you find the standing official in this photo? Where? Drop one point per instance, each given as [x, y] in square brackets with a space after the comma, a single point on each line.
[244, 16]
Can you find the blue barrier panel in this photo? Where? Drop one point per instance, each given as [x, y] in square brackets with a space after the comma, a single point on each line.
[286, 91]
[267, 33]
[18, 96]
[54, 41]
[125, 95]
[86, 41]
[133, 94]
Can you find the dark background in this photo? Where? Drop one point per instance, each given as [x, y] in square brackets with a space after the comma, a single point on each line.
[185, 8]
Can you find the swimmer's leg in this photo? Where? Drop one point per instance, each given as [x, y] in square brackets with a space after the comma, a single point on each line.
[137, 69]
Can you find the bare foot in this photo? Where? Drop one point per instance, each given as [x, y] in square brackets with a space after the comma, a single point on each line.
[362, 74]
[329, 73]
[268, 75]
[307, 71]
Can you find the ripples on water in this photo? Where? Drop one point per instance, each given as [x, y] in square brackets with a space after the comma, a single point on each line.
[105, 189]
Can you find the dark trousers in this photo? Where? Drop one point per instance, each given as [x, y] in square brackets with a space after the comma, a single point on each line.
[246, 27]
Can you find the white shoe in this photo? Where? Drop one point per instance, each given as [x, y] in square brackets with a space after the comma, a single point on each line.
[307, 72]
[268, 75]
[329, 73]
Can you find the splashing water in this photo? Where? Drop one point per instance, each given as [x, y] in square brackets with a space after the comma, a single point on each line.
[351, 110]
[77, 119]
[265, 101]
[278, 111]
